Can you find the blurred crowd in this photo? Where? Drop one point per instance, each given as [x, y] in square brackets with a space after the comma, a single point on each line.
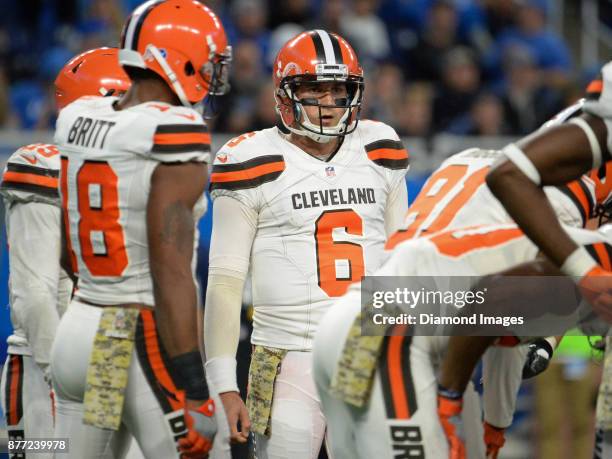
[467, 67]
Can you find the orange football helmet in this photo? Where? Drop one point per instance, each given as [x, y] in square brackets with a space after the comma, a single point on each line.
[93, 73]
[311, 57]
[182, 41]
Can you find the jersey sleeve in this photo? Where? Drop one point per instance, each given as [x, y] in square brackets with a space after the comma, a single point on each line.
[31, 174]
[238, 172]
[34, 238]
[599, 99]
[180, 135]
[384, 148]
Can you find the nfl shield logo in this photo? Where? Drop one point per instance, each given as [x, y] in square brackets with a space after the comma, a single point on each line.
[330, 171]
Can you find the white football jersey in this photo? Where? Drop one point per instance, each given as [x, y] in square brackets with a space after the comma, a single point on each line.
[482, 250]
[30, 178]
[320, 223]
[599, 102]
[108, 158]
[456, 196]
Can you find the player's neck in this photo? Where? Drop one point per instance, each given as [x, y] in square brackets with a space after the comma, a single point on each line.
[147, 90]
[319, 150]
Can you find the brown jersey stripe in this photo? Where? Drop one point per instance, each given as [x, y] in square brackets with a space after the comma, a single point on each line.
[580, 197]
[245, 165]
[24, 168]
[601, 252]
[181, 148]
[394, 164]
[385, 143]
[181, 129]
[395, 374]
[245, 184]
[154, 362]
[30, 188]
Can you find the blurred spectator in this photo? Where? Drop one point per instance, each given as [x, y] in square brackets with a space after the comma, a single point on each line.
[249, 23]
[247, 76]
[414, 115]
[278, 38]
[329, 18]
[365, 32]
[296, 11]
[500, 15]
[264, 115]
[549, 51]
[459, 88]
[424, 60]
[565, 393]
[382, 91]
[485, 118]
[528, 102]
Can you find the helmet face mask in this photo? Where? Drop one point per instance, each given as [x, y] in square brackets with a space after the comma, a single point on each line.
[350, 103]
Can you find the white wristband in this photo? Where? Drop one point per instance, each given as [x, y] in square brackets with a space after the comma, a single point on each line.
[520, 160]
[578, 264]
[592, 138]
[221, 374]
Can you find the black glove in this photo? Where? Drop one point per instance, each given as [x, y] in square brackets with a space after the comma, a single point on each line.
[538, 357]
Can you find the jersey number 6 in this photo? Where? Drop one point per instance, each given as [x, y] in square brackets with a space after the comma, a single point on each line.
[101, 240]
[339, 264]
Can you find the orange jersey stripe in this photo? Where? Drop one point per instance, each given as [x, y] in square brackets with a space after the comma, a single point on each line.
[578, 192]
[449, 244]
[396, 378]
[603, 256]
[595, 86]
[247, 174]
[154, 355]
[181, 138]
[33, 179]
[388, 153]
[14, 398]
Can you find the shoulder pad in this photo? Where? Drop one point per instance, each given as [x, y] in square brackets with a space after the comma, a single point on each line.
[240, 165]
[599, 94]
[31, 174]
[383, 146]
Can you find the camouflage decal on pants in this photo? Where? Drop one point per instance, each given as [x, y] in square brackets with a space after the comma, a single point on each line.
[107, 375]
[265, 365]
[604, 399]
[352, 381]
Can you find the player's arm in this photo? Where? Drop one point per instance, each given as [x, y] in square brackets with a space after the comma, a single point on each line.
[552, 157]
[234, 227]
[396, 208]
[34, 251]
[175, 188]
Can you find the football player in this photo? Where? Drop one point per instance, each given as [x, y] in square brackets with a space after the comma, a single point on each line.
[379, 394]
[454, 197]
[307, 209]
[133, 173]
[39, 289]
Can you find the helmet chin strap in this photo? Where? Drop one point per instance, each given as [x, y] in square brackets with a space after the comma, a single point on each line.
[312, 131]
[174, 82]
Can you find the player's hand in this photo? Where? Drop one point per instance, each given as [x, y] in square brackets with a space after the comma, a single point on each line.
[201, 428]
[494, 440]
[236, 411]
[538, 357]
[449, 413]
[596, 288]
